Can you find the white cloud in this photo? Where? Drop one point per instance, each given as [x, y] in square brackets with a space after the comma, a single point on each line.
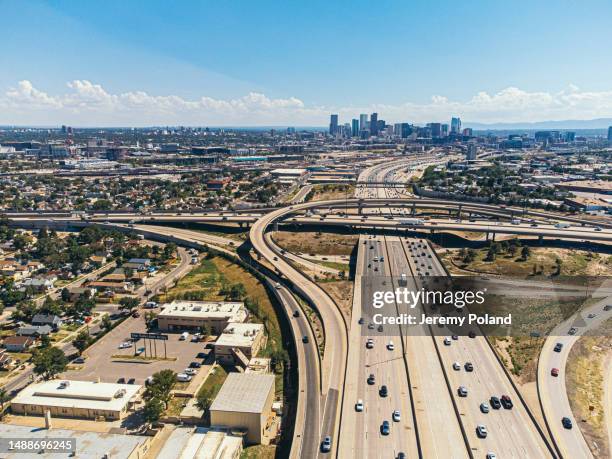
[88, 103]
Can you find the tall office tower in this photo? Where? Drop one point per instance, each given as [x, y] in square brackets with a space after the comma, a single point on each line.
[374, 123]
[347, 130]
[406, 130]
[472, 151]
[397, 129]
[355, 127]
[333, 124]
[468, 132]
[436, 129]
[445, 130]
[455, 125]
[610, 134]
[363, 122]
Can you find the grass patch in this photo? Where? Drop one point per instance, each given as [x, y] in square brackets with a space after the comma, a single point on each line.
[335, 265]
[259, 452]
[520, 355]
[542, 261]
[585, 389]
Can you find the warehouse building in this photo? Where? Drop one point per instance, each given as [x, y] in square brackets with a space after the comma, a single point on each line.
[76, 399]
[193, 315]
[245, 402]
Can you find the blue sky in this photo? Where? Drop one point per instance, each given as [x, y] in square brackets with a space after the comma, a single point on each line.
[414, 60]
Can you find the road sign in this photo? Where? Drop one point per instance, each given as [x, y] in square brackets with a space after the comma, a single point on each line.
[158, 336]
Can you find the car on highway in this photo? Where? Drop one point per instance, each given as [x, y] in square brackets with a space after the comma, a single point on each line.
[370, 343]
[472, 334]
[554, 372]
[390, 346]
[361, 321]
[296, 313]
[359, 406]
[383, 391]
[384, 428]
[572, 331]
[481, 431]
[401, 456]
[371, 380]
[567, 422]
[484, 407]
[506, 402]
[558, 347]
[124, 345]
[380, 328]
[592, 316]
[462, 391]
[491, 455]
[305, 339]
[370, 326]
[326, 444]
[468, 366]
[447, 341]
[455, 337]
[495, 403]
[607, 307]
[396, 416]
[456, 366]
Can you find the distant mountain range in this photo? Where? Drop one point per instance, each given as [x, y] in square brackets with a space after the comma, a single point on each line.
[598, 123]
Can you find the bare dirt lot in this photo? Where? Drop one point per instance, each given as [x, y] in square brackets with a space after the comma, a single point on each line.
[316, 243]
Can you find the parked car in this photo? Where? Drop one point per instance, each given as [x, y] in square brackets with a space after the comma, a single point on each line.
[484, 407]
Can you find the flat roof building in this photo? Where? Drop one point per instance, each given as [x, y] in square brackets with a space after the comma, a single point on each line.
[246, 337]
[193, 315]
[76, 399]
[245, 402]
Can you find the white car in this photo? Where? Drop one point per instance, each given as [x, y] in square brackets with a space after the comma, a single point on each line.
[447, 341]
[456, 366]
[183, 377]
[390, 346]
[396, 416]
[190, 371]
[359, 406]
[370, 343]
[124, 345]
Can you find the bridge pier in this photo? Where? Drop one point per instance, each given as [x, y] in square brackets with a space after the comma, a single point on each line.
[541, 239]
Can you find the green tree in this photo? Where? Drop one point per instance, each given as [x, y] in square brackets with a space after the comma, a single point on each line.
[525, 253]
[65, 295]
[106, 323]
[205, 398]
[127, 303]
[153, 410]
[49, 362]
[82, 341]
[162, 383]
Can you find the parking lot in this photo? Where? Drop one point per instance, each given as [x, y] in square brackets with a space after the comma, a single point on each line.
[102, 361]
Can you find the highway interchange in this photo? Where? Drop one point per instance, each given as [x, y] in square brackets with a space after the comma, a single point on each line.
[422, 383]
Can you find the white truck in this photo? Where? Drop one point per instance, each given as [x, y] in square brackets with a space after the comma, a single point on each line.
[562, 225]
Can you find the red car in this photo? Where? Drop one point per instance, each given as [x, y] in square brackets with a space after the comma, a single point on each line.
[554, 372]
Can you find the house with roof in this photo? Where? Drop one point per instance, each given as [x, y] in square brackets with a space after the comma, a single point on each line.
[17, 343]
[34, 330]
[55, 322]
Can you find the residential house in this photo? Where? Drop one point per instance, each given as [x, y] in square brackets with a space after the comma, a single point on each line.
[5, 359]
[55, 322]
[34, 330]
[17, 343]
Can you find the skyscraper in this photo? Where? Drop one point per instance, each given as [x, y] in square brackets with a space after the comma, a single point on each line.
[455, 125]
[355, 127]
[436, 129]
[333, 124]
[374, 123]
[363, 122]
[610, 134]
[472, 151]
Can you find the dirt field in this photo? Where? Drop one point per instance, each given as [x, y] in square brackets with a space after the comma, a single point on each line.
[573, 262]
[317, 243]
[520, 355]
[342, 293]
[325, 192]
[584, 380]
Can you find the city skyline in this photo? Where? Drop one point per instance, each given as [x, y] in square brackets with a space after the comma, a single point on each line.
[129, 72]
